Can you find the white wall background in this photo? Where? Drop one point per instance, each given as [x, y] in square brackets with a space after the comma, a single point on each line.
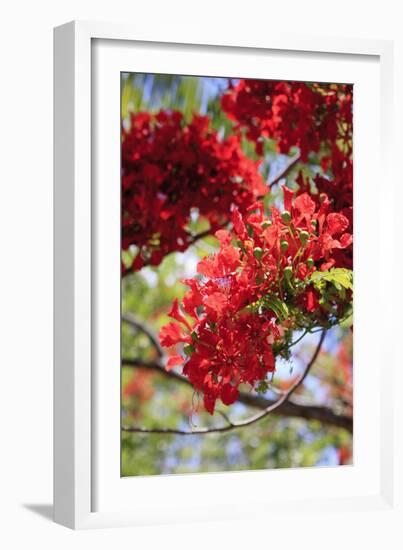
[26, 260]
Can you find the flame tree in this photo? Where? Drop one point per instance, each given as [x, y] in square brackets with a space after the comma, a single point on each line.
[237, 256]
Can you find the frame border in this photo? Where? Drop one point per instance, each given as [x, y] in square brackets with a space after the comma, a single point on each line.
[72, 248]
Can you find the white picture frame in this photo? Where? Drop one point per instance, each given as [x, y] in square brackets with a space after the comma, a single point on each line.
[85, 495]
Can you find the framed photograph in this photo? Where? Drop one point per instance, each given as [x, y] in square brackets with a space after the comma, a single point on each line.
[218, 279]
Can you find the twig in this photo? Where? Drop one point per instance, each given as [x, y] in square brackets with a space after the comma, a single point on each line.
[210, 231]
[140, 326]
[290, 408]
[194, 238]
[242, 423]
[191, 239]
[286, 170]
[156, 366]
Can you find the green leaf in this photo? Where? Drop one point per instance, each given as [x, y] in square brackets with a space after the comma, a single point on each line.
[339, 277]
[347, 322]
[277, 306]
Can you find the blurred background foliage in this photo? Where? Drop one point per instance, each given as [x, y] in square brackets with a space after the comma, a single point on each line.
[153, 400]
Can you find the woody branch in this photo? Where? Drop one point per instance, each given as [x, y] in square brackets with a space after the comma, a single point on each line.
[284, 405]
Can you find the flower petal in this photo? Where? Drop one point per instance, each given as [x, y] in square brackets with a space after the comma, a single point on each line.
[336, 223]
[174, 361]
[176, 314]
[305, 204]
[172, 334]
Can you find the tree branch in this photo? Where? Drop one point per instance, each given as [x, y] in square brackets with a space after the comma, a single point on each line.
[157, 367]
[191, 239]
[140, 326]
[288, 408]
[286, 170]
[210, 231]
[194, 238]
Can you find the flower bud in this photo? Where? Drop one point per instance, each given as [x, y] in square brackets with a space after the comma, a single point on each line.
[310, 262]
[303, 236]
[288, 272]
[314, 223]
[258, 252]
[286, 216]
[188, 349]
[266, 224]
[284, 245]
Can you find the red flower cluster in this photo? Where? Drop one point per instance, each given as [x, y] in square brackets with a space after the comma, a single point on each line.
[316, 118]
[308, 116]
[170, 169]
[339, 193]
[228, 345]
[269, 277]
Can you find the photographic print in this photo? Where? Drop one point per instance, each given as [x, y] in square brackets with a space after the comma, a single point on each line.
[237, 274]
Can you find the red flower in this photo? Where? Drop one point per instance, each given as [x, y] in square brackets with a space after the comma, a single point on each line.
[175, 313]
[220, 265]
[229, 394]
[294, 114]
[305, 205]
[172, 334]
[336, 223]
[169, 170]
[174, 361]
[254, 291]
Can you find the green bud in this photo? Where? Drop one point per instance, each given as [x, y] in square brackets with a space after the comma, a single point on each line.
[258, 252]
[266, 224]
[286, 216]
[188, 349]
[284, 245]
[288, 272]
[314, 223]
[310, 262]
[262, 387]
[303, 236]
